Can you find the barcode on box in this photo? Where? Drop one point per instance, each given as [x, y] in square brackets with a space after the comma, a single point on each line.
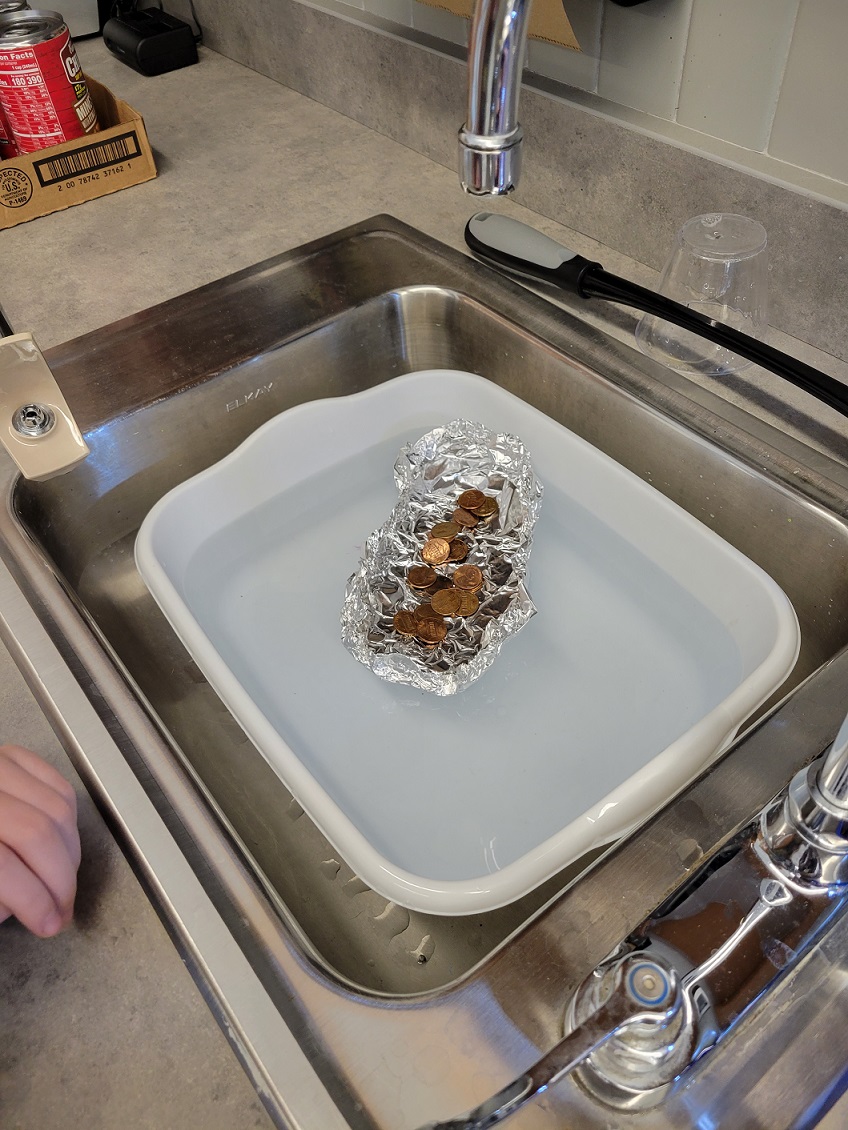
[87, 158]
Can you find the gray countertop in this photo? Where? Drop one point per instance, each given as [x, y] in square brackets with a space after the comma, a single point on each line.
[103, 1025]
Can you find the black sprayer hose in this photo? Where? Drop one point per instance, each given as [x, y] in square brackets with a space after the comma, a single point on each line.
[598, 283]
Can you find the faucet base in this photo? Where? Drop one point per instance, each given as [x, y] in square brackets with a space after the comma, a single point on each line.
[489, 166]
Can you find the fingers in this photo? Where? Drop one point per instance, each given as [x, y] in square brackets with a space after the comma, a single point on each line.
[39, 842]
[36, 866]
[28, 778]
[27, 897]
[40, 769]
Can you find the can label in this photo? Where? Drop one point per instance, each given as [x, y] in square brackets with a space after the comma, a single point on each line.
[7, 144]
[44, 93]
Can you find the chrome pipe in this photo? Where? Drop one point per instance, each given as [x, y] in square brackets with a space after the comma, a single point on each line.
[832, 778]
[490, 141]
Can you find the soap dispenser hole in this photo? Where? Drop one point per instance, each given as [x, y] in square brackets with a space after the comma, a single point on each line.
[33, 420]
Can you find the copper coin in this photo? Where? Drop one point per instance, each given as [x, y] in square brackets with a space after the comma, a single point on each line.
[458, 550]
[435, 551]
[405, 622]
[470, 499]
[468, 577]
[447, 602]
[432, 631]
[468, 604]
[464, 518]
[421, 576]
[446, 530]
[426, 612]
[488, 508]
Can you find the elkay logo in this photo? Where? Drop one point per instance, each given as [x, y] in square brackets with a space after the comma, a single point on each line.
[248, 396]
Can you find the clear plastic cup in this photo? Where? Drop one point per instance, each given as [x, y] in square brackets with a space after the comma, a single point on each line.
[718, 266]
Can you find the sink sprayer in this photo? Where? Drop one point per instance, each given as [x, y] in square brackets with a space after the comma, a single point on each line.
[520, 248]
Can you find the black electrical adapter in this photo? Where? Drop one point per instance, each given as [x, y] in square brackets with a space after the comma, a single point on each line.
[151, 41]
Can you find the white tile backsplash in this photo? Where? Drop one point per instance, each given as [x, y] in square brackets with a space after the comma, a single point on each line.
[574, 68]
[440, 23]
[642, 50]
[733, 67]
[811, 121]
[398, 11]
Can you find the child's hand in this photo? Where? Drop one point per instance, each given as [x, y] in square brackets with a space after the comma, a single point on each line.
[39, 842]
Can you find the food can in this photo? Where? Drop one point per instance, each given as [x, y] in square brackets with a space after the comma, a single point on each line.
[7, 144]
[43, 90]
[7, 6]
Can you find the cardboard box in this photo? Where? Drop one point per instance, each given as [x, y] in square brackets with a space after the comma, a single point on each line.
[548, 20]
[118, 155]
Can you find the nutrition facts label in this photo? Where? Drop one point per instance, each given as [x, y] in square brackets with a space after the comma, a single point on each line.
[44, 93]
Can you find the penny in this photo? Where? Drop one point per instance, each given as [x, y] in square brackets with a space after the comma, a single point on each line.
[447, 602]
[426, 612]
[405, 622]
[488, 508]
[468, 604]
[432, 631]
[458, 550]
[471, 499]
[446, 530]
[421, 576]
[468, 577]
[464, 518]
[435, 551]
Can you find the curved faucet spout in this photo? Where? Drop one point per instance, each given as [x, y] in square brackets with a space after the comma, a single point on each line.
[490, 140]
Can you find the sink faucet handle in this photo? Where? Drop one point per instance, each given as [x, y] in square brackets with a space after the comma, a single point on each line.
[37, 427]
[643, 991]
[805, 831]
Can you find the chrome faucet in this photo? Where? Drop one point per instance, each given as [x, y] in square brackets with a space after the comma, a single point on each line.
[679, 984]
[490, 140]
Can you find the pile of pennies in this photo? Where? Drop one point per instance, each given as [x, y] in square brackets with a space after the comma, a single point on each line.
[445, 596]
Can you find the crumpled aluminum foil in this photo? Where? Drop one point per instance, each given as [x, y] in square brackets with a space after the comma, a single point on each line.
[430, 475]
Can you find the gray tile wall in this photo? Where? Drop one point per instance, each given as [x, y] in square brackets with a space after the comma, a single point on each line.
[609, 179]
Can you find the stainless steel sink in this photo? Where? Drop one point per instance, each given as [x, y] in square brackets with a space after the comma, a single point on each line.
[164, 394]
